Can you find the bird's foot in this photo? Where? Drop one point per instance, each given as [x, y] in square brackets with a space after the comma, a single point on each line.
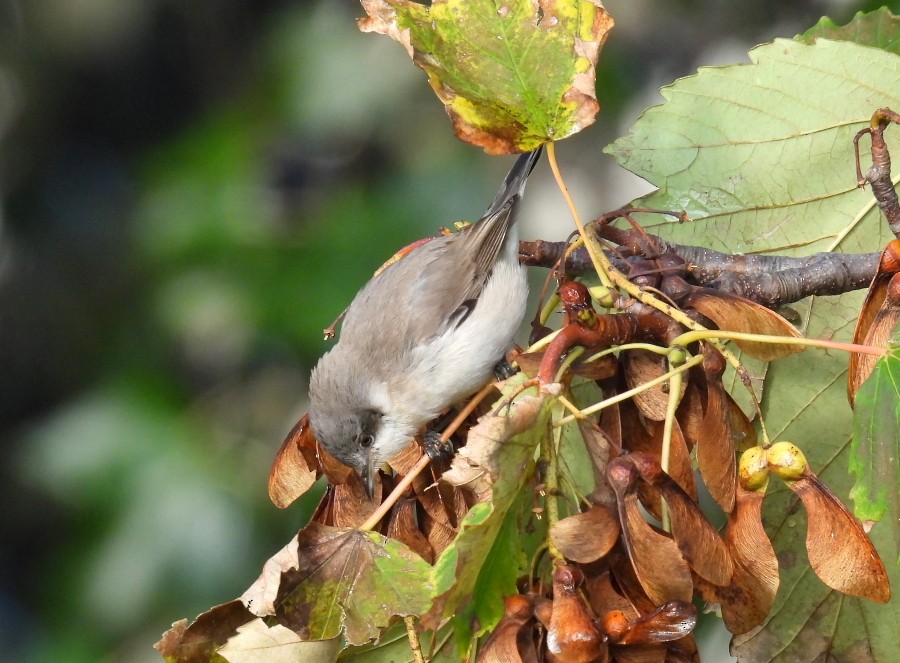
[504, 369]
[435, 448]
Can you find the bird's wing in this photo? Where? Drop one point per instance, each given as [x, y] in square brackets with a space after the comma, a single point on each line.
[475, 250]
[433, 302]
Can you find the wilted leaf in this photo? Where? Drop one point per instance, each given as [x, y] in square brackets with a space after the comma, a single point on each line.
[256, 642]
[512, 75]
[198, 642]
[657, 562]
[404, 527]
[696, 538]
[715, 448]
[588, 536]
[295, 467]
[351, 506]
[883, 327]
[646, 437]
[878, 28]
[747, 599]
[877, 317]
[511, 641]
[670, 621]
[598, 447]
[572, 636]
[875, 450]
[641, 366]
[734, 313]
[839, 551]
[329, 580]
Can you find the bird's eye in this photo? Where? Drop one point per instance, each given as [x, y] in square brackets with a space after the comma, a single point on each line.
[366, 440]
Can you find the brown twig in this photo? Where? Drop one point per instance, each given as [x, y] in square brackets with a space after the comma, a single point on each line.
[879, 175]
[768, 280]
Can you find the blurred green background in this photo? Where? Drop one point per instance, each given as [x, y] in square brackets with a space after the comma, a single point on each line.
[189, 193]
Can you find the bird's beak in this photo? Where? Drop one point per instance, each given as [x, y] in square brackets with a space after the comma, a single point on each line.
[371, 472]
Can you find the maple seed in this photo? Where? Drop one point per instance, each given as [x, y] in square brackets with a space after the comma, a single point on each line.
[753, 472]
[787, 461]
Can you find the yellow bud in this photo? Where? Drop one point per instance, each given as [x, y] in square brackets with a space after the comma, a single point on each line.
[786, 461]
[752, 469]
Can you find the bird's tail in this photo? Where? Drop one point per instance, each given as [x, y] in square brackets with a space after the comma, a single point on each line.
[514, 183]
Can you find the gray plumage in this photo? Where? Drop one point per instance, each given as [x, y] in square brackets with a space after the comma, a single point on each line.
[421, 335]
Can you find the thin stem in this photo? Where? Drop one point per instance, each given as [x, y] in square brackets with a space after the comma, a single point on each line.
[551, 499]
[549, 308]
[571, 356]
[543, 343]
[570, 406]
[671, 405]
[691, 336]
[600, 261]
[414, 645]
[400, 488]
[625, 395]
[649, 347]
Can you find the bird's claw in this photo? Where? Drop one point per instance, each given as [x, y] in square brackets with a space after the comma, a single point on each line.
[435, 448]
[504, 369]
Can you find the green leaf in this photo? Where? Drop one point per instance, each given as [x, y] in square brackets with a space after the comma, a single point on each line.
[328, 581]
[879, 28]
[511, 75]
[393, 647]
[875, 449]
[466, 577]
[761, 158]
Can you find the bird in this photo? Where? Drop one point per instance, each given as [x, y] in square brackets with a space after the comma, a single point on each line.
[424, 332]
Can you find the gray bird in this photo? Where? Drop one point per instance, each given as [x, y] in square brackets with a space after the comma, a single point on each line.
[421, 335]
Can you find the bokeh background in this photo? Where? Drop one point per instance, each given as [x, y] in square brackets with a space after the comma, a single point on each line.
[189, 193]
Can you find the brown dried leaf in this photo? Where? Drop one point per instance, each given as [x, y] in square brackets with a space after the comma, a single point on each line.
[588, 536]
[604, 598]
[839, 551]
[671, 621]
[256, 642]
[334, 469]
[572, 637]
[599, 448]
[733, 313]
[875, 296]
[198, 642]
[511, 640]
[475, 465]
[351, 506]
[715, 448]
[646, 437]
[748, 598]
[692, 407]
[695, 536]
[404, 527]
[404, 461]
[743, 434]
[641, 366]
[295, 467]
[878, 332]
[658, 564]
